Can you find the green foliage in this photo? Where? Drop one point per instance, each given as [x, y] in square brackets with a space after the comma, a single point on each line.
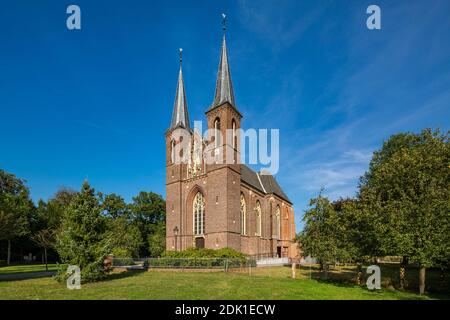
[16, 208]
[83, 240]
[157, 239]
[406, 193]
[50, 213]
[321, 236]
[125, 237]
[115, 206]
[147, 210]
[204, 253]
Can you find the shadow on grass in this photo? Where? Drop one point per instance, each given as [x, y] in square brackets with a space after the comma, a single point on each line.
[123, 275]
[346, 277]
[26, 276]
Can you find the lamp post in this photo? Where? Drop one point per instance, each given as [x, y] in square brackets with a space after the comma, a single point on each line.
[175, 232]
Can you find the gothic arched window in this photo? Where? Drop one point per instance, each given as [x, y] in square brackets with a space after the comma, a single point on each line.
[243, 215]
[258, 218]
[199, 214]
[172, 151]
[233, 126]
[217, 132]
[278, 222]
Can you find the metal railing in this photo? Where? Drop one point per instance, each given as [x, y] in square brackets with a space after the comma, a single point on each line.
[183, 263]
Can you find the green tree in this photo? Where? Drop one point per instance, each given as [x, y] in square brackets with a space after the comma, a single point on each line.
[45, 239]
[320, 236]
[147, 210]
[157, 239]
[115, 206]
[51, 213]
[83, 240]
[125, 237]
[16, 209]
[406, 193]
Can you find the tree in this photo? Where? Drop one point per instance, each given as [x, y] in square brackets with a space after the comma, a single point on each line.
[406, 192]
[147, 210]
[157, 239]
[125, 237]
[319, 237]
[83, 239]
[115, 206]
[45, 239]
[16, 209]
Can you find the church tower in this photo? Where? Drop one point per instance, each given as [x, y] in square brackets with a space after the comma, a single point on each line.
[175, 168]
[224, 174]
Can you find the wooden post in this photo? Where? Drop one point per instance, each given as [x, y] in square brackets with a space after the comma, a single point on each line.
[293, 270]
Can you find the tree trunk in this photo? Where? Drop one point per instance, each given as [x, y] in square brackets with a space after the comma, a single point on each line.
[359, 274]
[8, 259]
[402, 274]
[422, 280]
[325, 269]
[45, 254]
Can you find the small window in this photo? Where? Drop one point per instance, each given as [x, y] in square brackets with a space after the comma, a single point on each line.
[258, 218]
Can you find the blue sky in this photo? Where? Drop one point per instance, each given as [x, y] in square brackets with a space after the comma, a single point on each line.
[95, 103]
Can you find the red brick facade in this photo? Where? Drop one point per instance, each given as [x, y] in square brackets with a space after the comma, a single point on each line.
[222, 189]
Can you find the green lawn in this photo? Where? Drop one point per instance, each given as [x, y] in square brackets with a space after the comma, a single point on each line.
[263, 283]
[27, 268]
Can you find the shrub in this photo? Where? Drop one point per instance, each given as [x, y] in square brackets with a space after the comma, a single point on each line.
[204, 253]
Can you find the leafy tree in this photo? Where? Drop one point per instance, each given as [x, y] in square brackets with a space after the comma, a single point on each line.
[147, 210]
[115, 206]
[51, 213]
[320, 236]
[125, 237]
[45, 239]
[406, 193]
[157, 239]
[83, 239]
[16, 208]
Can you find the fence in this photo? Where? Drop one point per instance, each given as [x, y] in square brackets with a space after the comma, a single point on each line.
[184, 263]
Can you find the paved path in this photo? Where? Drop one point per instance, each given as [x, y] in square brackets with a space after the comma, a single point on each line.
[26, 275]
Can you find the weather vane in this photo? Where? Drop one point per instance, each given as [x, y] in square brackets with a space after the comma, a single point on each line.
[224, 21]
[181, 55]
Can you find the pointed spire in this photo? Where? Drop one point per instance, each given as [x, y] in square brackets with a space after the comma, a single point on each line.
[224, 86]
[180, 115]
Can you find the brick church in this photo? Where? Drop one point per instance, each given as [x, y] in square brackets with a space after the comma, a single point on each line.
[221, 204]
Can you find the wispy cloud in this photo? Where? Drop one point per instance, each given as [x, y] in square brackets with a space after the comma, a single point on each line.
[378, 90]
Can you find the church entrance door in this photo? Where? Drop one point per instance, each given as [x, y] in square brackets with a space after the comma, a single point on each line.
[199, 242]
[279, 252]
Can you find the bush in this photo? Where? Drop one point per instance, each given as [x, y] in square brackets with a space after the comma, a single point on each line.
[204, 253]
[201, 258]
[2, 262]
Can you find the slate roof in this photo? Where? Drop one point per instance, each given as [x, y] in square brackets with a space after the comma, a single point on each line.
[224, 86]
[265, 183]
[180, 115]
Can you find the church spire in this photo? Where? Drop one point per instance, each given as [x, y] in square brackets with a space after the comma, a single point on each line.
[224, 86]
[180, 115]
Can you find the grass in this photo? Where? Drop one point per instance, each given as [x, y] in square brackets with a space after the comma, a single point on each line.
[26, 268]
[263, 283]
